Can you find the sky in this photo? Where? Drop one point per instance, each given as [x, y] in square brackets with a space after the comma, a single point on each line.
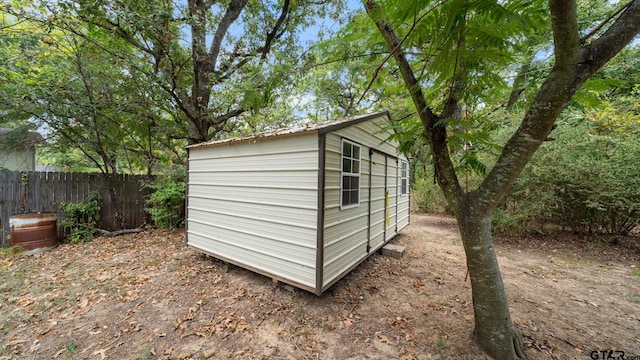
[310, 34]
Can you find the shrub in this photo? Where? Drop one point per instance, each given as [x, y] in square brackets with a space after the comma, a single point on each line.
[81, 218]
[428, 198]
[167, 203]
[587, 185]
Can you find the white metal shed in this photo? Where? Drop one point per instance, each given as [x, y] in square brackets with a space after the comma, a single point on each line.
[302, 205]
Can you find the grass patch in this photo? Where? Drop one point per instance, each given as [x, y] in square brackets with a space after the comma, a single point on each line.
[635, 271]
[146, 354]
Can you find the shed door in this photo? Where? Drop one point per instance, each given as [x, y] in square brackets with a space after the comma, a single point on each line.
[379, 199]
[391, 217]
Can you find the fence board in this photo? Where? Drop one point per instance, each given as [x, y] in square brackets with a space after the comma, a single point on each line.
[25, 192]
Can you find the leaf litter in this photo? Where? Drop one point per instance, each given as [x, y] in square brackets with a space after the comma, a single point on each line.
[147, 295]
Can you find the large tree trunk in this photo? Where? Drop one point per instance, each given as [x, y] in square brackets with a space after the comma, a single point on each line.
[494, 330]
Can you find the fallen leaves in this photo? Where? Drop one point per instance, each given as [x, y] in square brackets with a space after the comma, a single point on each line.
[59, 352]
[383, 338]
[84, 303]
[15, 342]
[134, 326]
[101, 352]
[52, 323]
[208, 353]
[123, 297]
[228, 323]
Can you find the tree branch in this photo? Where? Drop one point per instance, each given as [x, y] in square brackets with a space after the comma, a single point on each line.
[519, 83]
[619, 35]
[565, 78]
[74, 139]
[169, 90]
[5, 27]
[230, 16]
[393, 50]
[566, 38]
[436, 134]
[273, 34]
[221, 120]
[603, 23]
[357, 56]
[227, 68]
[107, 233]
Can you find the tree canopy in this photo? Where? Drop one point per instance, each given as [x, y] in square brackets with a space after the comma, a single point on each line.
[145, 76]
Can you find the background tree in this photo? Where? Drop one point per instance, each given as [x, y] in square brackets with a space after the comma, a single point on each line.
[588, 185]
[465, 42]
[82, 98]
[18, 48]
[216, 61]
[339, 78]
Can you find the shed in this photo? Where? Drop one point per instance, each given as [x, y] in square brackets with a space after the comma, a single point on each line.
[17, 149]
[303, 205]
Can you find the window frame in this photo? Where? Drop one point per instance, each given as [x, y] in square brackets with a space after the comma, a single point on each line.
[351, 174]
[404, 176]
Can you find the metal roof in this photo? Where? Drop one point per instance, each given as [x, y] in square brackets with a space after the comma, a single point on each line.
[321, 127]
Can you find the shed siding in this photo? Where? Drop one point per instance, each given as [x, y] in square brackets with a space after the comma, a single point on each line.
[377, 200]
[392, 194]
[254, 203]
[345, 231]
[403, 200]
[21, 160]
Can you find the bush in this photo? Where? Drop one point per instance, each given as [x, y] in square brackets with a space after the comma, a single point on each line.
[167, 203]
[587, 185]
[428, 198]
[81, 218]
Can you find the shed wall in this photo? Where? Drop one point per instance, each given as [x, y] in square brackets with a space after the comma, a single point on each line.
[20, 160]
[254, 203]
[378, 212]
[346, 231]
[404, 209]
[391, 217]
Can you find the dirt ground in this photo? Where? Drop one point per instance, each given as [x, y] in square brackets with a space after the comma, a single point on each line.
[147, 296]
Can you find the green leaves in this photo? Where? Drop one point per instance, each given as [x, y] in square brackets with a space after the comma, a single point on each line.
[80, 220]
[167, 203]
[90, 90]
[127, 83]
[589, 185]
[468, 41]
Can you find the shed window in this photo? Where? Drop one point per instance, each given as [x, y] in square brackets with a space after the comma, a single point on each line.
[404, 178]
[350, 187]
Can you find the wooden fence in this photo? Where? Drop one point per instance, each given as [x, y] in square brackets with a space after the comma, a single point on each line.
[30, 192]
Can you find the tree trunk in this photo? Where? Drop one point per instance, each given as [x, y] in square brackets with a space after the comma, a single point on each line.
[116, 214]
[494, 330]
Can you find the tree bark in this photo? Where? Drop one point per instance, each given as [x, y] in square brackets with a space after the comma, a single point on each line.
[204, 63]
[494, 330]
